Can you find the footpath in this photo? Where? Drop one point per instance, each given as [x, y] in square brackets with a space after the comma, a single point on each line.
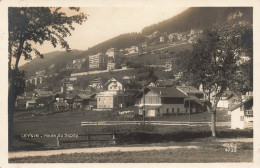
[91, 150]
[176, 145]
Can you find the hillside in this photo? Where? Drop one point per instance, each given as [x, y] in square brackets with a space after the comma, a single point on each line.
[198, 17]
[201, 17]
[59, 58]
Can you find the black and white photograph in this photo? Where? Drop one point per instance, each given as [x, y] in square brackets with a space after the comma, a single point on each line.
[123, 83]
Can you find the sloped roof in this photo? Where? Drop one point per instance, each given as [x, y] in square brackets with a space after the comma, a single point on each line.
[84, 96]
[115, 79]
[241, 104]
[228, 94]
[189, 89]
[43, 93]
[167, 92]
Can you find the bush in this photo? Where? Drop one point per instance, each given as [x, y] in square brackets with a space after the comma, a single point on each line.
[146, 134]
[247, 133]
[152, 137]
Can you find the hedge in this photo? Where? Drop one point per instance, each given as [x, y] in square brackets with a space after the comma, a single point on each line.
[151, 137]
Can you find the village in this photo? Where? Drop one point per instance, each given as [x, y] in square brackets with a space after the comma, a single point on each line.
[136, 99]
[177, 90]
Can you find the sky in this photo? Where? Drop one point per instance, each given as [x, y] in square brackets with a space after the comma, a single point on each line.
[107, 22]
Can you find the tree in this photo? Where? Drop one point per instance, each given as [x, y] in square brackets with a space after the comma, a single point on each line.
[214, 62]
[34, 25]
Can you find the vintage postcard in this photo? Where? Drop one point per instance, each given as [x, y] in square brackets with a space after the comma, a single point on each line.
[129, 82]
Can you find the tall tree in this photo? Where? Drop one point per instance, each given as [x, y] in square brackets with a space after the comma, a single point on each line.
[215, 61]
[34, 25]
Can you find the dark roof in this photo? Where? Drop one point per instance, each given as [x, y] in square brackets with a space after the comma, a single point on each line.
[122, 81]
[166, 92]
[84, 96]
[189, 89]
[241, 104]
[43, 93]
[191, 97]
[228, 94]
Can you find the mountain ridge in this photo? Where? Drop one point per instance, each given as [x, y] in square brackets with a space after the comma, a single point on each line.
[195, 17]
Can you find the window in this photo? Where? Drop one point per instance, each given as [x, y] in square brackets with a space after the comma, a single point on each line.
[178, 110]
[241, 118]
[172, 110]
[167, 110]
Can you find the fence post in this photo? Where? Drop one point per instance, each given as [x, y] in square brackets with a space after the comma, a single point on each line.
[113, 139]
[30, 142]
[89, 140]
[57, 142]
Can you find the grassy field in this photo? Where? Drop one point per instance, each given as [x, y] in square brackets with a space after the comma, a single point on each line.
[208, 152]
[68, 122]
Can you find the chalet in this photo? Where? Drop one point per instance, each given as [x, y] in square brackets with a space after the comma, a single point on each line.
[115, 85]
[132, 50]
[242, 115]
[163, 83]
[69, 98]
[224, 99]
[81, 100]
[152, 84]
[43, 96]
[153, 35]
[161, 39]
[172, 37]
[168, 65]
[160, 101]
[191, 91]
[61, 106]
[110, 100]
[196, 99]
[118, 94]
[96, 83]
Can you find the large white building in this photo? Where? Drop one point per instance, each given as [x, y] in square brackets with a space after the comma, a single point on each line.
[98, 61]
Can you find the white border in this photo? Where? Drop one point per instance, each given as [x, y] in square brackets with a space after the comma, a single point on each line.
[4, 4]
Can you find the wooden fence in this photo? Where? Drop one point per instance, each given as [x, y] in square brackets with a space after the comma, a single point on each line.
[87, 138]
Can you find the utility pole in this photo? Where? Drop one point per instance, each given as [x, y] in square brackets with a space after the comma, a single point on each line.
[143, 106]
[189, 106]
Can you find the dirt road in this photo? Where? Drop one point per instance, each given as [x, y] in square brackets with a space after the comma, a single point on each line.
[175, 145]
[91, 150]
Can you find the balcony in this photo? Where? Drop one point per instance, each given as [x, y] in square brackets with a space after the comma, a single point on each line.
[249, 113]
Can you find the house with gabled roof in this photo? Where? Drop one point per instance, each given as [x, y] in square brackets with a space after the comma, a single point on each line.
[224, 99]
[115, 85]
[158, 101]
[196, 99]
[242, 115]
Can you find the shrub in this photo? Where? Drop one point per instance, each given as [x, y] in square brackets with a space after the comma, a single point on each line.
[144, 136]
